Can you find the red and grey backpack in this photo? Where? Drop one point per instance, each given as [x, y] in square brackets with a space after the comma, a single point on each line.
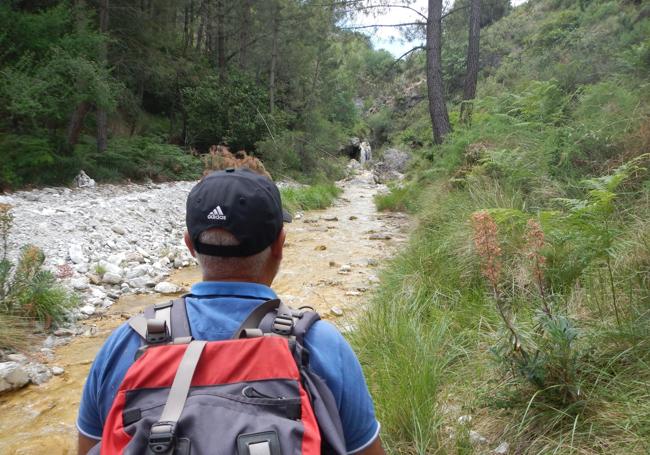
[252, 395]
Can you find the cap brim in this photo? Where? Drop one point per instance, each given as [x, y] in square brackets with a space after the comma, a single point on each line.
[286, 216]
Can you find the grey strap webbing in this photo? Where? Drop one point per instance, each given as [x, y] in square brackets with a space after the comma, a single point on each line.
[182, 380]
[254, 319]
[139, 325]
[163, 432]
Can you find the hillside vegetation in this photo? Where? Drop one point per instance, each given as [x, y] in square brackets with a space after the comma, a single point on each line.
[520, 312]
[137, 91]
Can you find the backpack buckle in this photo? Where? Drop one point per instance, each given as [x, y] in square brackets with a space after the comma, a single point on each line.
[157, 331]
[283, 325]
[161, 438]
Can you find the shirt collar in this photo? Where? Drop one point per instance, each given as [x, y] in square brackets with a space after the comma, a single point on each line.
[233, 289]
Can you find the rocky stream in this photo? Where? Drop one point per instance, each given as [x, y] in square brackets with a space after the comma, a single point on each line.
[120, 248]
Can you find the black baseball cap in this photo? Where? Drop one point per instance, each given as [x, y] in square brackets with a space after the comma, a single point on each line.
[240, 201]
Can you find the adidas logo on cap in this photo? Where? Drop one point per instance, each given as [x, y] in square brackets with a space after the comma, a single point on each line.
[216, 214]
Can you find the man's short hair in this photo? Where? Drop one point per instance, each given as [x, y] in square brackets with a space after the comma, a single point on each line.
[230, 267]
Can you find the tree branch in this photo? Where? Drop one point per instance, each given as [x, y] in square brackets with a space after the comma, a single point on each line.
[391, 6]
[416, 48]
[453, 11]
[405, 24]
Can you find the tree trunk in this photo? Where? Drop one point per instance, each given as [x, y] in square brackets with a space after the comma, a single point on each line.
[437, 106]
[244, 32]
[186, 27]
[75, 124]
[274, 58]
[102, 116]
[221, 40]
[76, 120]
[471, 76]
[202, 26]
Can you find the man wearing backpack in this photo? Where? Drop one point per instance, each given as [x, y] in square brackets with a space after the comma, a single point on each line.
[291, 372]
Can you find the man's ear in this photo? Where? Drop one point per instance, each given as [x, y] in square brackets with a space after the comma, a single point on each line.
[188, 243]
[278, 245]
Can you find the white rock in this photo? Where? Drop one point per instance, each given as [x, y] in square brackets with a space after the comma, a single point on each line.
[38, 373]
[84, 181]
[76, 254]
[110, 267]
[117, 259]
[79, 284]
[111, 278]
[464, 419]
[118, 229]
[88, 310]
[165, 287]
[97, 293]
[20, 358]
[57, 371]
[503, 449]
[475, 438]
[336, 311]
[12, 376]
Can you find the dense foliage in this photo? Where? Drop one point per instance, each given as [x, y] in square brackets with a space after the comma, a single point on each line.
[174, 78]
[524, 297]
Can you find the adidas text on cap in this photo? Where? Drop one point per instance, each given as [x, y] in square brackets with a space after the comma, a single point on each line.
[240, 201]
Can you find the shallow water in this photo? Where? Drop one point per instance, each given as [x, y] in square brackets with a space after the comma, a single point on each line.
[41, 419]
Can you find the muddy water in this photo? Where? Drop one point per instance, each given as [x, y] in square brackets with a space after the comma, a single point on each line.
[331, 262]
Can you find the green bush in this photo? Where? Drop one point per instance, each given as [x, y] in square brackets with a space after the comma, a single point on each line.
[138, 158]
[308, 154]
[231, 111]
[27, 292]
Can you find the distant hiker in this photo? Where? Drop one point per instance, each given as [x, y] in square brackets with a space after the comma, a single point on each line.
[284, 383]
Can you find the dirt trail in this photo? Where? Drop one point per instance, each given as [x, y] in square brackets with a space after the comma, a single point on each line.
[331, 259]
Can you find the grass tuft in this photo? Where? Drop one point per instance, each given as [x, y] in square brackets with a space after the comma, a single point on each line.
[313, 197]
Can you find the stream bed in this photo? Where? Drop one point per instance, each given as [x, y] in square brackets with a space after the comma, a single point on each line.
[332, 259]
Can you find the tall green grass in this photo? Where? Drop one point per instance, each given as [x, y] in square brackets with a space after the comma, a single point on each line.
[429, 339]
[312, 197]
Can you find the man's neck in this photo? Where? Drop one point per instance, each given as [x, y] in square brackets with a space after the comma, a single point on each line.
[241, 279]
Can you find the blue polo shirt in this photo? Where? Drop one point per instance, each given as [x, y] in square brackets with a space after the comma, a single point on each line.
[215, 310]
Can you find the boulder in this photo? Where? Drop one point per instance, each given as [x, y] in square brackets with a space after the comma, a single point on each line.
[12, 376]
[38, 373]
[502, 449]
[396, 160]
[20, 358]
[76, 254]
[112, 278]
[79, 284]
[109, 267]
[165, 287]
[57, 371]
[84, 181]
[88, 310]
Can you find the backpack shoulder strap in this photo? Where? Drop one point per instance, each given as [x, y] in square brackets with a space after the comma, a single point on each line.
[163, 322]
[275, 317]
